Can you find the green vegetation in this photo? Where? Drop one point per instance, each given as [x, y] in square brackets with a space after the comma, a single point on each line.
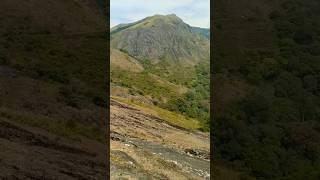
[142, 83]
[271, 130]
[53, 95]
[169, 116]
[65, 128]
[43, 56]
[72, 64]
[176, 64]
[50, 58]
[194, 103]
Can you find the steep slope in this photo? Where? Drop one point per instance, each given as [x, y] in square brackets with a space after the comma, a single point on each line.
[154, 149]
[158, 66]
[175, 61]
[124, 61]
[161, 38]
[52, 95]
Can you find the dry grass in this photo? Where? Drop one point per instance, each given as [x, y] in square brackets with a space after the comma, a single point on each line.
[124, 61]
[69, 129]
[170, 117]
[178, 88]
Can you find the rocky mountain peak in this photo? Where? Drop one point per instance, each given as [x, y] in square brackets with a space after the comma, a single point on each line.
[161, 37]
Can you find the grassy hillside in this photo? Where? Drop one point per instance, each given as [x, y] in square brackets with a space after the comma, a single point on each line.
[266, 90]
[53, 96]
[56, 54]
[172, 74]
[169, 116]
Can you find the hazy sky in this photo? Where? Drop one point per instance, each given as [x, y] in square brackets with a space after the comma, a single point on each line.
[193, 12]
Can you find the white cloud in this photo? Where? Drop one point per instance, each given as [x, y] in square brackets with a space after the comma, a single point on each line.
[193, 12]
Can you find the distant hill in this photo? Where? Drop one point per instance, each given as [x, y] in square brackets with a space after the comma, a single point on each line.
[203, 31]
[161, 37]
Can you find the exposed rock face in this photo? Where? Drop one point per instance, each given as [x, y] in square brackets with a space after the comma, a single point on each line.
[161, 38]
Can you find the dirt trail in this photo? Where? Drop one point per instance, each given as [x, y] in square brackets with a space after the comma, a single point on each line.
[145, 146]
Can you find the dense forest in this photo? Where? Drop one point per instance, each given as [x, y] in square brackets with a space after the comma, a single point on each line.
[266, 76]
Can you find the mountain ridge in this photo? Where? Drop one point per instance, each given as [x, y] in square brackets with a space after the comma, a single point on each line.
[161, 37]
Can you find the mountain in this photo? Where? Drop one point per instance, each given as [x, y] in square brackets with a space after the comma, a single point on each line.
[203, 31]
[161, 38]
[163, 61]
[159, 86]
[124, 61]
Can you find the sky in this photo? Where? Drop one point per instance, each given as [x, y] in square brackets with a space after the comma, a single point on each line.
[193, 12]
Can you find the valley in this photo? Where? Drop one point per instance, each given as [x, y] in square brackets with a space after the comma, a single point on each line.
[159, 100]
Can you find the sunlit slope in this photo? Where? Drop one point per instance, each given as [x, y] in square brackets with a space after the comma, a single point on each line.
[161, 38]
[163, 62]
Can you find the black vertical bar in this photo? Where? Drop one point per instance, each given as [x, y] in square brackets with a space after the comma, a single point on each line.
[211, 86]
[108, 88]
